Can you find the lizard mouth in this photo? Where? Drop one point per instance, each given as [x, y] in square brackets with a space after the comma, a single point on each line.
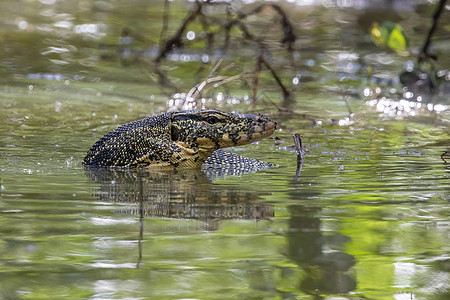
[268, 128]
[262, 128]
[261, 132]
[255, 133]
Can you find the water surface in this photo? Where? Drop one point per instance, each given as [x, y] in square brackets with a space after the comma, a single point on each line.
[366, 217]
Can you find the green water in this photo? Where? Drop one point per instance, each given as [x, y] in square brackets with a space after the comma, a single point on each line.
[366, 217]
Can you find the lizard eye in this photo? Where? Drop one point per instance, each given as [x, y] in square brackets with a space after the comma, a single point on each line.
[174, 133]
[212, 120]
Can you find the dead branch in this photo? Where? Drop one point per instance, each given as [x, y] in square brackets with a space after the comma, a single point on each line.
[298, 145]
[288, 33]
[224, 81]
[300, 152]
[258, 64]
[164, 24]
[164, 81]
[193, 95]
[227, 67]
[214, 69]
[176, 39]
[445, 156]
[345, 98]
[286, 92]
[289, 37]
[424, 52]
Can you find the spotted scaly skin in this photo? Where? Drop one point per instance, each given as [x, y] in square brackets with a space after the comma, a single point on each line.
[182, 139]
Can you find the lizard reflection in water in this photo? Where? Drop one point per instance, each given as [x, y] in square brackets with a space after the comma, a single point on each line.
[189, 194]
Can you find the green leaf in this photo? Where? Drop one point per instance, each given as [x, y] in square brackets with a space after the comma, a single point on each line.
[397, 40]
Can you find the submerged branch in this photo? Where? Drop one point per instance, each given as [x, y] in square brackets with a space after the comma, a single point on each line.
[300, 152]
[298, 145]
[445, 156]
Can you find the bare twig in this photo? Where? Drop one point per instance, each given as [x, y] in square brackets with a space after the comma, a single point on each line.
[195, 91]
[164, 24]
[164, 80]
[350, 113]
[206, 29]
[345, 98]
[286, 92]
[298, 145]
[424, 52]
[194, 94]
[288, 32]
[141, 221]
[214, 69]
[445, 155]
[300, 152]
[227, 68]
[175, 40]
[289, 36]
[259, 60]
[246, 32]
[288, 39]
[224, 81]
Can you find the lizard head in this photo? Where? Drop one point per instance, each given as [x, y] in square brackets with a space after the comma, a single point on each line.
[209, 130]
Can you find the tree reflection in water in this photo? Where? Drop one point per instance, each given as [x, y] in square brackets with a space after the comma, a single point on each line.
[328, 270]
